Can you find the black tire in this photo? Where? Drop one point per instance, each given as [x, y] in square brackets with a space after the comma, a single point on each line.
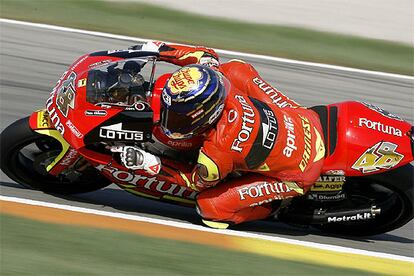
[19, 148]
[391, 191]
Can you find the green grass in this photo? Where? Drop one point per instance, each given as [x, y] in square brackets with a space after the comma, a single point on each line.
[153, 22]
[34, 248]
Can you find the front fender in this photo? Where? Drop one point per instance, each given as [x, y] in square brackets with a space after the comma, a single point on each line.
[40, 122]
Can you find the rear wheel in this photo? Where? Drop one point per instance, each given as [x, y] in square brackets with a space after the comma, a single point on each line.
[24, 154]
[391, 192]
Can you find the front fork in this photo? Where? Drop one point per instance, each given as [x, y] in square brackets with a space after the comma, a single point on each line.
[40, 122]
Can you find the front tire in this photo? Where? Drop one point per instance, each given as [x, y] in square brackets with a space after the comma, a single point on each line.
[21, 153]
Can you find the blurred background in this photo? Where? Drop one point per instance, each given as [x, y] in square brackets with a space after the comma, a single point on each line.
[371, 34]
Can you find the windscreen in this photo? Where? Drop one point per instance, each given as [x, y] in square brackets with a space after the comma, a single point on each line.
[119, 82]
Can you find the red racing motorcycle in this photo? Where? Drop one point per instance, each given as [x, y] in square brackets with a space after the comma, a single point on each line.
[366, 186]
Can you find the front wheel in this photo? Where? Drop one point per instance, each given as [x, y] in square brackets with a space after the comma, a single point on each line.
[23, 153]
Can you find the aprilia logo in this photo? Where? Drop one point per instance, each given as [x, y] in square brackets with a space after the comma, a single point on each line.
[290, 140]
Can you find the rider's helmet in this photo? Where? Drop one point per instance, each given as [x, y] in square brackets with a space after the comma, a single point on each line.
[116, 83]
[192, 101]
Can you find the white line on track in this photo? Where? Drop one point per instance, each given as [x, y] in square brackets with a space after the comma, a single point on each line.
[183, 225]
[232, 53]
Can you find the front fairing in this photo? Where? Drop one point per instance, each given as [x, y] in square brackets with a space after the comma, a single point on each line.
[78, 120]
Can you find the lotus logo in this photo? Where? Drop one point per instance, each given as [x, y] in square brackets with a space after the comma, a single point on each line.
[115, 132]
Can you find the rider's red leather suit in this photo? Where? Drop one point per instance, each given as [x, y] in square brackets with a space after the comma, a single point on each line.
[272, 141]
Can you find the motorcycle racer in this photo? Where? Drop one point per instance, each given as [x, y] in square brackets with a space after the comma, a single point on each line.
[246, 127]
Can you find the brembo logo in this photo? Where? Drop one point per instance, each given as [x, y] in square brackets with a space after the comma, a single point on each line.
[378, 126]
[247, 124]
[116, 132]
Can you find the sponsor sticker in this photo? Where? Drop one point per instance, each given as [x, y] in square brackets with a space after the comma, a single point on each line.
[267, 189]
[363, 216]
[99, 63]
[73, 129]
[308, 143]
[247, 124]
[115, 132]
[138, 106]
[150, 183]
[69, 158]
[82, 83]
[383, 155]
[216, 114]
[185, 79]
[65, 98]
[166, 98]
[276, 96]
[380, 127]
[329, 183]
[291, 138]
[43, 120]
[97, 113]
[270, 129]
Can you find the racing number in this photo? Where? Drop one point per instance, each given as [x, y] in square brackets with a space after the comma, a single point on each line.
[382, 155]
[66, 95]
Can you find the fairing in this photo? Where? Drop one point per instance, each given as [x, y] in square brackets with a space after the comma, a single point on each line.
[368, 140]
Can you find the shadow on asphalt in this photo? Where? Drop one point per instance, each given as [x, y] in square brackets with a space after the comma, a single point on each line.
[123, 201]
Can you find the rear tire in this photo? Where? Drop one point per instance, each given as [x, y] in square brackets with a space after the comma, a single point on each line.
[20, 150]
[391, 191]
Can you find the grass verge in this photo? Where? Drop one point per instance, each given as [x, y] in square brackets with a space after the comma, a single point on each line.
[148, 21]
[34, 248]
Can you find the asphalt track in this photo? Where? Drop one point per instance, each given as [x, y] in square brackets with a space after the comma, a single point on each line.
[32, 59]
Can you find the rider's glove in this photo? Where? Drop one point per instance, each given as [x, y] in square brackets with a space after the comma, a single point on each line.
[137, 159]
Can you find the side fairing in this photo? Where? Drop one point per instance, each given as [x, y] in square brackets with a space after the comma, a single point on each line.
[67, 107]
[368, 140]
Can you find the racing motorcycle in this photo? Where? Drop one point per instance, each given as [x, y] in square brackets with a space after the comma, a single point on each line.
[366, 186]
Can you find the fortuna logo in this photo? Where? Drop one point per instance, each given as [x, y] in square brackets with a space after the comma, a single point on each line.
[246, 130]
[264, 189]
[378, 126]
[150, 183]
[363, 216]
[272, 93]
[117, 133]
[290, 142]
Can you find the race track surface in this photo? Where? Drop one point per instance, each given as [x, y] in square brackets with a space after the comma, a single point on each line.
[32, 60]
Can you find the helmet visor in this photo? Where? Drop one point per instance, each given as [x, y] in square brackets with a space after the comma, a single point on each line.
[176, 125]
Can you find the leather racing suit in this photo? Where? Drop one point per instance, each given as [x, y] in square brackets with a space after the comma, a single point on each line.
[270, 140]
